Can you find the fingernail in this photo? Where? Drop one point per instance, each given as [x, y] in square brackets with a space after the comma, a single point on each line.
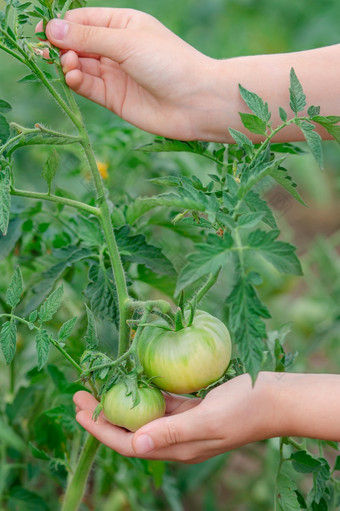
[58, 29]
[144, 445]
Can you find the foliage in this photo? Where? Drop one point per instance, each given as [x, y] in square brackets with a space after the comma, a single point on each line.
[85, 246]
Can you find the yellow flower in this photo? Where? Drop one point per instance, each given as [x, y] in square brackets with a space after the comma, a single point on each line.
[103, 167]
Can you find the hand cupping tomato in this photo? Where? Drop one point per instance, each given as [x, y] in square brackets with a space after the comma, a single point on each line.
[178, 361]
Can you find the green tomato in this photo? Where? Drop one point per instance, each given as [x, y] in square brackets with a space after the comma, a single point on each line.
[119, 410]
[189, 359]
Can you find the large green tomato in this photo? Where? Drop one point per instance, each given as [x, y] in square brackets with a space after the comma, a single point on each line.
[189, 359]
[118, 407]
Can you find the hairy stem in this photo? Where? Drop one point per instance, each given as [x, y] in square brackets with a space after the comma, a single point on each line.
[57, 200]
[77, 483]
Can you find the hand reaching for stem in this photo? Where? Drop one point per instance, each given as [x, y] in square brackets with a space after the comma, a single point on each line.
[128, 62]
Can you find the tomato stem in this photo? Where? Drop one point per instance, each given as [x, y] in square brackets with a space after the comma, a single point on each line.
[77, 482]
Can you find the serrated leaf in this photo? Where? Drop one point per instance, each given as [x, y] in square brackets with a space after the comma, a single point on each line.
[91, 337]
[208, 258]
[304, 462]
[102, 294]
[246, 324]
[255, 103]
[137, 250]
[313, 110]
[89, 231]
[242, 141]
[8, 340]
[169, 145]
[50, 168]
[25, 500]
[330, 123]
[33, 316]
[297, 97]
[250, 220]
[253, 123]
[4, 129]
[280, 254]
[5, 198]
[51, 305]
[285, 494]
[4, 106]
[254, 173]
[281, 176]
[256, 204]
[321, 478]
[38, 453]
[15, 289]
[66, 329]
[42, 345]
[8, 242]
[283, 114]
[313, 140]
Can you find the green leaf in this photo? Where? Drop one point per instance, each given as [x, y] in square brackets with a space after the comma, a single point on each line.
[208, 258]
[313, 110]
[283, 114]
[66, 329]
[285, 494]
[255, 103]
[246, 324]
[330, 123]
[304, 462]
[4, 106]
[242, 141]
[91, 337]
[42, 345]
[5, 199]
[50, 305]
[33, 316]
[102, 294]
[15, 288]
[250, 220]
[281, 176]
[255, 173]
[280, 254]
[256, 204]
[8, 340]
[4, 129]
[313, 140]
[38, 453]
[89, 231]
[50, 168]
[337, 463]
[137, 250]
[321, 478]
[8, 242]
[253, 123]
[25, 500]
[297, 97]
[169, 145]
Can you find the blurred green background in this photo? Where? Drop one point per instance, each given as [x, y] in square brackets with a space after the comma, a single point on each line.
[240, 481]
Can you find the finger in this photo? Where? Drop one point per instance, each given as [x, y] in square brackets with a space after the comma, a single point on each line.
[114, 437]
[107, 42]
[86, 85]
[104, 17]
[121, 441]
[84, 400]
[171, 430]
[178, 404]
[71, 60]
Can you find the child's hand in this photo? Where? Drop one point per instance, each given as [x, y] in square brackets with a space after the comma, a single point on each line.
[130, 63]
[193, 430]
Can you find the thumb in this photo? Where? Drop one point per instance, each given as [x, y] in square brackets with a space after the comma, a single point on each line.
[166, 432]
[106, 42]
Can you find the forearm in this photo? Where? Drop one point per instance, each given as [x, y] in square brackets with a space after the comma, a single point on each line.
[305, 405]
[268, 75]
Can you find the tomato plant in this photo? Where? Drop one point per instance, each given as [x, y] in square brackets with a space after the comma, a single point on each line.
[88, 243]
[119, 407]
[189, 359]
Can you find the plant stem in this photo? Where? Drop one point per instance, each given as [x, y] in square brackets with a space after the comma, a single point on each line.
[77, 483]
[207, 286]
[116, 263]
[56, 199]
